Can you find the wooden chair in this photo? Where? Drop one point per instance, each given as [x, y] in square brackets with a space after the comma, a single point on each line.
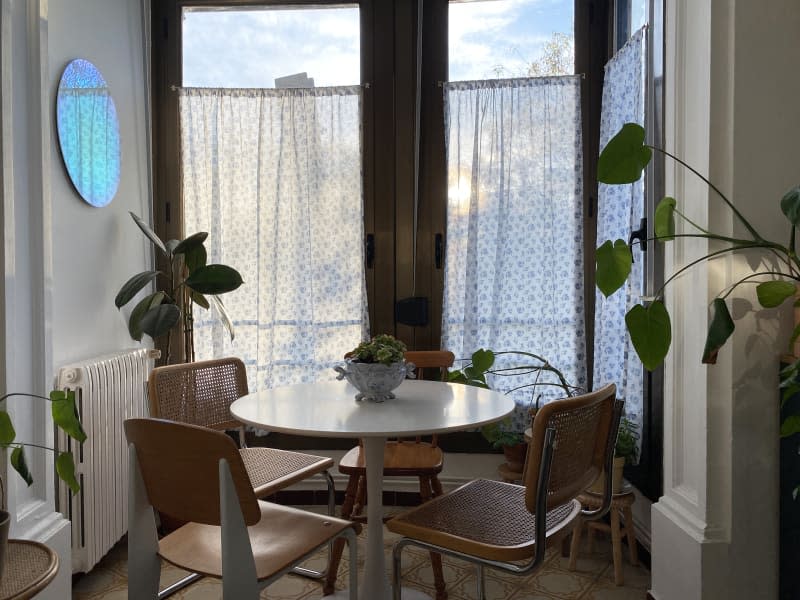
[201, 393]
[498, 524]
[197, 475]
[409, 458]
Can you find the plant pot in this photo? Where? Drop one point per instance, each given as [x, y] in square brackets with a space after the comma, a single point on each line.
[375, 381]
[515, 456]
[616, 478]
[5, 521]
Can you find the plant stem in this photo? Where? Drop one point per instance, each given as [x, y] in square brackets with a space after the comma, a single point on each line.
[701, 259]
[751, 276]
[739, 215]
[24, 394]
[692, 223]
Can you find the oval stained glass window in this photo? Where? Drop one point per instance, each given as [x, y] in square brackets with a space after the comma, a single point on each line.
[88, 132]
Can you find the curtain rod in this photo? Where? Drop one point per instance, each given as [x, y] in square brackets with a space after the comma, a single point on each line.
[581, 75]
[366, 85]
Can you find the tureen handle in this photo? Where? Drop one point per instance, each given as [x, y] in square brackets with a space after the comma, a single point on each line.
[341, 372]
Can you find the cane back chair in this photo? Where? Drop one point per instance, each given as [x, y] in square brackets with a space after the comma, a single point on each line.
[197, 475]
[498, 524]
[201, 393]
[409, 458]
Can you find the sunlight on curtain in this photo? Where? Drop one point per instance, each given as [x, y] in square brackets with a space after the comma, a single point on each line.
[619, 210]
[274, 176]
[514, 263]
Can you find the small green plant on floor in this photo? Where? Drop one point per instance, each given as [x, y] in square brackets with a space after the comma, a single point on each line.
[627, 446]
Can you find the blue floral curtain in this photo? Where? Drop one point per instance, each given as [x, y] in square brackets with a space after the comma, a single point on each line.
[514, 258]
[619, 211]
[275, 177]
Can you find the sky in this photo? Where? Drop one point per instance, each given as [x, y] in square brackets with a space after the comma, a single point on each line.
[250, 48]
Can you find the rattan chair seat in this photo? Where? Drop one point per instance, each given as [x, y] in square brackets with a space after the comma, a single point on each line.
[271, 470]
[399, 458]
[483, 518]
[282, 536]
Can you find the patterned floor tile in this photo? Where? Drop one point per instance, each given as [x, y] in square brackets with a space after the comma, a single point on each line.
[592, 580]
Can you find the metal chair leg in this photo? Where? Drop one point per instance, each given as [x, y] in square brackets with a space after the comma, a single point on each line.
[311, 573]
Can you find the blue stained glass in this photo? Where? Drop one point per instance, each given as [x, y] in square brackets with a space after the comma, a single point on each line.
[88, 132]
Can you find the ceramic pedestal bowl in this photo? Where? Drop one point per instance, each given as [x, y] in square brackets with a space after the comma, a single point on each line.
[375, 381]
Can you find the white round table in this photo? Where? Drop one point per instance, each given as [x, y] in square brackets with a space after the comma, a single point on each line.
[329, 409]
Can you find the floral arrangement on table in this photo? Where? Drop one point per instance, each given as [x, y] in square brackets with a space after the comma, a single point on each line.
[376, 367]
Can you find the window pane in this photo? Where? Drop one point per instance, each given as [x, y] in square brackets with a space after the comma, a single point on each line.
[491, 39]
[255, 47]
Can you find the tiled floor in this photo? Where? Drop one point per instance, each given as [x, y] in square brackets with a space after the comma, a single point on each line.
[593, 579]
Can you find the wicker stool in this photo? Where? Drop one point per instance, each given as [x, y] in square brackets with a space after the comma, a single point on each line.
[30, 567]
[619, 503]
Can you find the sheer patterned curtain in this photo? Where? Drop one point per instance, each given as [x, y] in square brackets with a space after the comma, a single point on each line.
[274, 176]
[619, 210]
[514, 268]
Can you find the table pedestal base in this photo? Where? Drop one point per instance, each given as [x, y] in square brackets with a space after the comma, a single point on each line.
[408, 594]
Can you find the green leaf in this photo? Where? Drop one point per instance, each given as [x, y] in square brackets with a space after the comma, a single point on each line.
[773, 293]
[200, 300]
[482, 361]
[160, 319]
[795, 334]
[195, 258]
[214, 279]
[613, 266]
[19, 464]
[135, 320]
[719, 331]
[151, 235]
[790, 205]
[7, 433]
[132, 287]
[624, 157]
[191, 242]
[665, 219]
[223, 315]
[65, 467]
[790, 426]
[65, 414]
[650, 332]
[795, 492]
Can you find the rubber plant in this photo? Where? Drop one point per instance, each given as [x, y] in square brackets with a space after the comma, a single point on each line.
[622, 161]
[475, 370]
[190, 281]
[65, 417]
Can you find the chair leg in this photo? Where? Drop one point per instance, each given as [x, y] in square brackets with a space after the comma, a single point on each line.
[311, 573]
[481, 582]
[575, 544]
[631, 535]
[426, 488]
[338, 546]
[144, 564]
[436, 485]
[361, 496]
[616, 547]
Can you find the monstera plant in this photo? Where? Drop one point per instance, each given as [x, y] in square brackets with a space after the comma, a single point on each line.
[189, 281]
[623, 161]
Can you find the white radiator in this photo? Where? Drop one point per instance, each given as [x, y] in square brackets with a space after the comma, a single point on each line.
[108, 390]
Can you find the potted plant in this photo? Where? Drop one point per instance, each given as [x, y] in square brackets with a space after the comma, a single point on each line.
[65, 416]
[190, 281]
[626, 452]
[622, 161]
[376, 367]
[502, 435]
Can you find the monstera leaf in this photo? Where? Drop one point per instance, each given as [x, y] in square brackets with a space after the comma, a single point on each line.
[624, 157]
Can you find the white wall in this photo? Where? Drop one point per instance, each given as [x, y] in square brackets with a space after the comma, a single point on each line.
[103, 247]
[64, 260]
[731, 112]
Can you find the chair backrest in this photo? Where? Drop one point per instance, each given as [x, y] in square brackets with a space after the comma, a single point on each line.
[585, 433]
[199, 393]
[179, 464]
[428, 360]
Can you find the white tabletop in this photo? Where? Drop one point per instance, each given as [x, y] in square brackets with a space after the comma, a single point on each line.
[329, 409]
